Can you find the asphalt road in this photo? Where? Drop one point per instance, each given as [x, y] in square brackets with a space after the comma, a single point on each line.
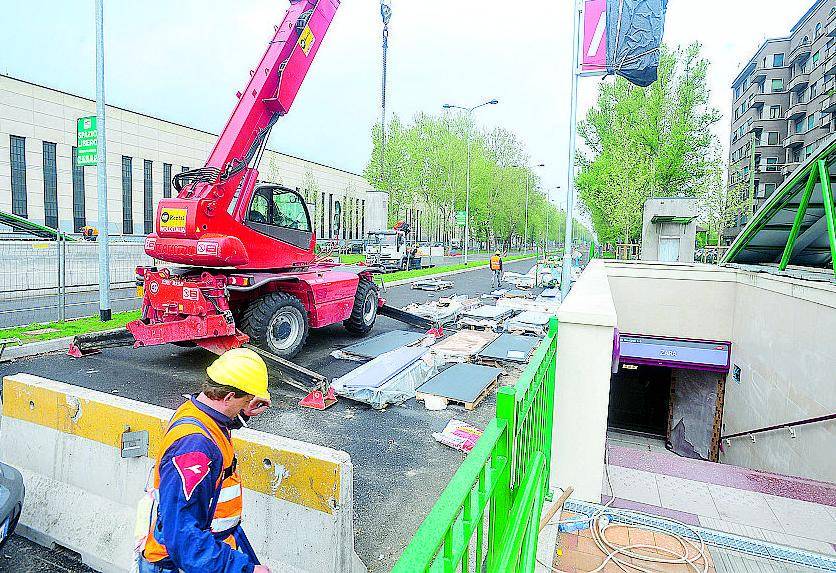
[28, 309]
[399, 469]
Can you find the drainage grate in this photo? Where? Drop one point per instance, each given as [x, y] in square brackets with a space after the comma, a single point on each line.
[712, 537]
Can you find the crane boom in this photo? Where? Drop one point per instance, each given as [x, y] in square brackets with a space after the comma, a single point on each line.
[214, 201]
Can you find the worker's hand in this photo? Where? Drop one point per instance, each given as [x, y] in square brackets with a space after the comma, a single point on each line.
[254, 408]
[261, 569]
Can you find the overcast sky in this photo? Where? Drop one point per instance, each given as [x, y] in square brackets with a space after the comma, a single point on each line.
[183, 60]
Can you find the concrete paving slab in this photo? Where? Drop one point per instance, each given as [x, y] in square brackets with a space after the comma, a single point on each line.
[383, 343]
[461, 382]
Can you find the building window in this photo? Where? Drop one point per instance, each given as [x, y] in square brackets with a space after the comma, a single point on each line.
[777, 85]
[809, 150]
[818, 29]
[330, 215]
[183, 169]
[772, 164]
[148, 195]
[777, 60]
[811, 122]
[772, 138]
[167, 180]
[127, 196]
[769, 189]
[50, 186]
[816, 57]
[79, 217]
[814, 90]
[362, 217]
[17, 156]
[736, 92]
[322, 217]
[799, 126]
[774, 112]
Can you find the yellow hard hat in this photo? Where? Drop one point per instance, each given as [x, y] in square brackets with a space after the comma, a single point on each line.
[243, 369]
[497, 252]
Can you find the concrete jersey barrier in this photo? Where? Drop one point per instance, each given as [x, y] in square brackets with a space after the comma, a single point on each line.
[82, 494]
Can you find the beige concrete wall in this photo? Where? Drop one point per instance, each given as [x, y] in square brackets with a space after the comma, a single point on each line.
[41, 114]
[582, 384]
[681, 300]
[785, 345]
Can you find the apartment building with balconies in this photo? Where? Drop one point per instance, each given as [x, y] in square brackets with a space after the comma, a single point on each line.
[783, 106]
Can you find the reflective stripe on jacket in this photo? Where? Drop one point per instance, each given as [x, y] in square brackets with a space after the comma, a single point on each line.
[199, 498]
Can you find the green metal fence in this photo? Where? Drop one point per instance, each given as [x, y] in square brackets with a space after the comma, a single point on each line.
[487, 517]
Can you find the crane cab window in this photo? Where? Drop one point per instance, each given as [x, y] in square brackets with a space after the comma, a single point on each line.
[280, 213]
[273, 206]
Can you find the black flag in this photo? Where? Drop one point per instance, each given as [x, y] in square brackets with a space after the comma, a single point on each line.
[634, 34]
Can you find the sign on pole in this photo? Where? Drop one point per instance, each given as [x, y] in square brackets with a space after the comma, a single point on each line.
[86, 141]
[594, 57]
[461, 218]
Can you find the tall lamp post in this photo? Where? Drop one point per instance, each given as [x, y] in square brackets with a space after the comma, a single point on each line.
[386, 15]
[469, 111]
[101, 170]
[527, 186]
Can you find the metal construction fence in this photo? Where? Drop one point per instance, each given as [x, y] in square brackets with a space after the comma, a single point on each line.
[487, 517]
[43, 280]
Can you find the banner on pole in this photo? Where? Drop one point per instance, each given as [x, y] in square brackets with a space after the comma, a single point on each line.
[594, 56]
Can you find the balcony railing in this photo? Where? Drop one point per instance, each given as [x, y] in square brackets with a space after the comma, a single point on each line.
[828, 104]
[789, 167]
[794, 139]
[799, 82]
[800, 50]
[797, 109]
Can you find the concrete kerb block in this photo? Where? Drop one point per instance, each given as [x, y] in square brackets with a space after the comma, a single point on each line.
[81, 494]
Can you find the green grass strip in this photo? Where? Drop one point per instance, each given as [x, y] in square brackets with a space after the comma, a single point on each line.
[402, 275]
[69, 327]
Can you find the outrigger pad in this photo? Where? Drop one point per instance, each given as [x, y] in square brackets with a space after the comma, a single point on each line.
[93, 342]
[318, 401]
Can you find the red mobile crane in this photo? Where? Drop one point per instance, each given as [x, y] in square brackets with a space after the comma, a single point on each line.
[249, 272]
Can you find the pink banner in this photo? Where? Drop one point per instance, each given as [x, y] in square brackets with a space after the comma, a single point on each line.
[594, 56]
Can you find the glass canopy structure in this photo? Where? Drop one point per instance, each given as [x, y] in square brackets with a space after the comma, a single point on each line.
[796, 224]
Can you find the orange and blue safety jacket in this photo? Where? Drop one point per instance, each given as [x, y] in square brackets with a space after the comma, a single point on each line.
[496, 263]
[197, 526]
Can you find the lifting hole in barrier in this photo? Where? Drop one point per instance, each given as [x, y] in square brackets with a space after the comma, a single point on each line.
[267, 464]
[31, 404]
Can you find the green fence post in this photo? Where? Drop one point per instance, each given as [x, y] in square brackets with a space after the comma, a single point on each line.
[799, 218]
[827, 199]
[502, 501]
[550, 389]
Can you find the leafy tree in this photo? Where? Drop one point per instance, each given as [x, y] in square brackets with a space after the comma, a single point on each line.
[646, 142]
[721, 203]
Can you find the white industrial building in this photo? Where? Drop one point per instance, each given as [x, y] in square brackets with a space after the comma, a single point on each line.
[39, 179]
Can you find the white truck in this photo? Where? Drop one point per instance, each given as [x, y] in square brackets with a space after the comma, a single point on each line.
[388, 248]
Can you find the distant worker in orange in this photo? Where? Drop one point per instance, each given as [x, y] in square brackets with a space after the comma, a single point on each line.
[496, 268]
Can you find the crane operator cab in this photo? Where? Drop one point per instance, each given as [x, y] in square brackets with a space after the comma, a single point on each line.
[280, 213]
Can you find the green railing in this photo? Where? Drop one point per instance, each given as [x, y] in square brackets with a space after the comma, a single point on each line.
[487, 517]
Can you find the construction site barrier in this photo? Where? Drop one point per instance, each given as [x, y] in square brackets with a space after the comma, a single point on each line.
[81, 493]
[487, 518]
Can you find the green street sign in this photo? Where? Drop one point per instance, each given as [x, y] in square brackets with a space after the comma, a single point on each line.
[86, 140]
[461, 217]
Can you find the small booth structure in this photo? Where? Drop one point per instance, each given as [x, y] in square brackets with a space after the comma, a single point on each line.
[671, 388]
[669, 229]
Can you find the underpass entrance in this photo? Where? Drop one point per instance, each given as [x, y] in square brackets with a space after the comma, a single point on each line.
[670, 388]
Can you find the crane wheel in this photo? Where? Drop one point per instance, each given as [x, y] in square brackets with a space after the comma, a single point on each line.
[364, 312]
[277, 322]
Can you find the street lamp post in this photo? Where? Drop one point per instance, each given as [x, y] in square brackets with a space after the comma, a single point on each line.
[527, 186]
[469, 111]
[386, 15]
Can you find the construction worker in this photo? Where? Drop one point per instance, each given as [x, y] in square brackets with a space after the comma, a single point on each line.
[195, 522]
[496, 267]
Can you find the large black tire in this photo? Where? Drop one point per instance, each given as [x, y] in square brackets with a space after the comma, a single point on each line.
[277, 322]
[364, 312]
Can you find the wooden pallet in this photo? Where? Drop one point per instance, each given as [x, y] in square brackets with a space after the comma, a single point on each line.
[422, 396]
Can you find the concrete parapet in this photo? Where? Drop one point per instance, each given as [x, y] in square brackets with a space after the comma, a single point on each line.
[81, 494]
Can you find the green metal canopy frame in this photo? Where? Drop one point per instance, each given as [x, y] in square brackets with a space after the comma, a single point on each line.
[796, 224]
